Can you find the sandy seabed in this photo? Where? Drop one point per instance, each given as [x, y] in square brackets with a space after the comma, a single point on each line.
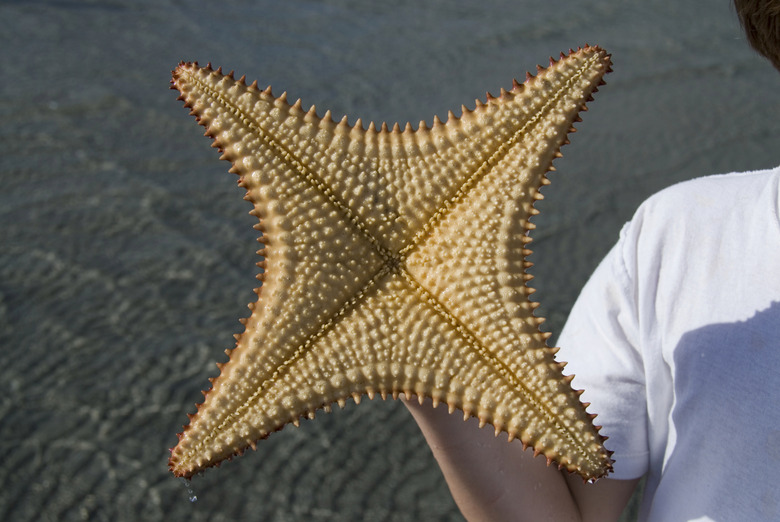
[128, 254]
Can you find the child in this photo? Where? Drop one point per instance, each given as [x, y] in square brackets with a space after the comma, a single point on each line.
[676, 340]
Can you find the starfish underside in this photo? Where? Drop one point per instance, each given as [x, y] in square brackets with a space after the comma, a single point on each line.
[394, 262]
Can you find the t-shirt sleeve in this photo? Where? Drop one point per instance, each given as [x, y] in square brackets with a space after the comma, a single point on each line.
[600, 343]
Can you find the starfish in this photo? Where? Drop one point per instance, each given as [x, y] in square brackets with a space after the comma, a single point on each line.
[394, 261]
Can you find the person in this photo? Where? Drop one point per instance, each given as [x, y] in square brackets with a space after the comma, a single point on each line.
[676, 341]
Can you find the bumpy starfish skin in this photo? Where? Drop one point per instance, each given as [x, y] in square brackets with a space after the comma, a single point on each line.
[394, 262]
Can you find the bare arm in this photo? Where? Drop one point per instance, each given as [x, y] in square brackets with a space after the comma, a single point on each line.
[493, 480]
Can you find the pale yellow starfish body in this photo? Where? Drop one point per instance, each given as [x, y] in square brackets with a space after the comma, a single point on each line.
[394, 262]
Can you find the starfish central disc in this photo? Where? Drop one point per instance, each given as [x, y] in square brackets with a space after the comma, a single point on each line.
[394, 262]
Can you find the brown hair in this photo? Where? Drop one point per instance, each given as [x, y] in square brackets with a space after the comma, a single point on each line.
[761, 21]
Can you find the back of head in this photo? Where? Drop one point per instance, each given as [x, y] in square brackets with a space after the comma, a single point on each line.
[761, 22]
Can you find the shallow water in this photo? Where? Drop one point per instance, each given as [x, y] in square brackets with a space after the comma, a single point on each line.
[127, 252]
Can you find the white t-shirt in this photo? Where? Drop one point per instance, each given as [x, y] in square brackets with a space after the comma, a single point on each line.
[676, 341]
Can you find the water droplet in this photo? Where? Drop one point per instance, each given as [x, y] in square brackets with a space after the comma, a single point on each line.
[190, 492]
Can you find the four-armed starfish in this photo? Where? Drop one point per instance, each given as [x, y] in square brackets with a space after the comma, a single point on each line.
[394, 261]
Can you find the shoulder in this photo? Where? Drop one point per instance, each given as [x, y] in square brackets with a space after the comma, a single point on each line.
[723, 202]
[713, 193]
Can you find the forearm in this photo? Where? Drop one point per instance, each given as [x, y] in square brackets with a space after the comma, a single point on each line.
[492, 479]
[489, 478]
